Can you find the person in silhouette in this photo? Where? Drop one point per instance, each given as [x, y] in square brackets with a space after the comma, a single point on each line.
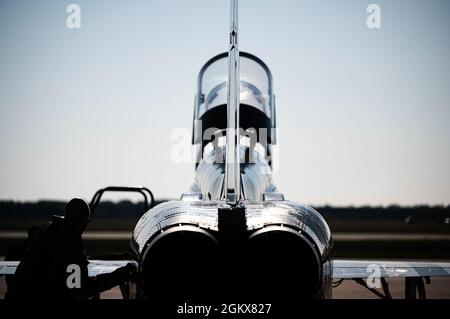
[57, 253]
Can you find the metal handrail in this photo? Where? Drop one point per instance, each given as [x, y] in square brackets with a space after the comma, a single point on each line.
[145, 192]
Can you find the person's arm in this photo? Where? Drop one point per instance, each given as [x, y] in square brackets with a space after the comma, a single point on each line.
[103, 282]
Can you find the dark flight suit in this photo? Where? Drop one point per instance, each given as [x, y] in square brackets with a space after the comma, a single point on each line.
[43, 271]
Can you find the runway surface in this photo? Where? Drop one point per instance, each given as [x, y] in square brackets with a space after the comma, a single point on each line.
[438, 289]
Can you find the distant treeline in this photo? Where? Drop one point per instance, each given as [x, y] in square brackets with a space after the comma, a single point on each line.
[108, 215]
[45, 209]
[421, 214]
[133, 210]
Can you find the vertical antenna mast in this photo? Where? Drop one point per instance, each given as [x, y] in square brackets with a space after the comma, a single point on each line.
[232, 183]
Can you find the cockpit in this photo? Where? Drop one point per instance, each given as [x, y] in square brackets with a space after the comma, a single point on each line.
[257, 101]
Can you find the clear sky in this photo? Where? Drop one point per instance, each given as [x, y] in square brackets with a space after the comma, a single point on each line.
[364, 114]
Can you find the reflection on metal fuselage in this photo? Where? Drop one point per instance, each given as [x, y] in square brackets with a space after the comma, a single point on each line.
[285, 252]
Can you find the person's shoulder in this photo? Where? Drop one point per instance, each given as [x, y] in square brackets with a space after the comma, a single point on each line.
[57, 219]
[56, 222]
[48, 230]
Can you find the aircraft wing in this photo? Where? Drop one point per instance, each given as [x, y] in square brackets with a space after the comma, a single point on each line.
[95, 267]
[359, 269]
[8, 267]
[342, 268]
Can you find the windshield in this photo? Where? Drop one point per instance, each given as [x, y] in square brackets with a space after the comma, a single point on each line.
[255, 88]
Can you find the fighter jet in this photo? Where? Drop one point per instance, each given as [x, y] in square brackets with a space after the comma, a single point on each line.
[233, 233]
